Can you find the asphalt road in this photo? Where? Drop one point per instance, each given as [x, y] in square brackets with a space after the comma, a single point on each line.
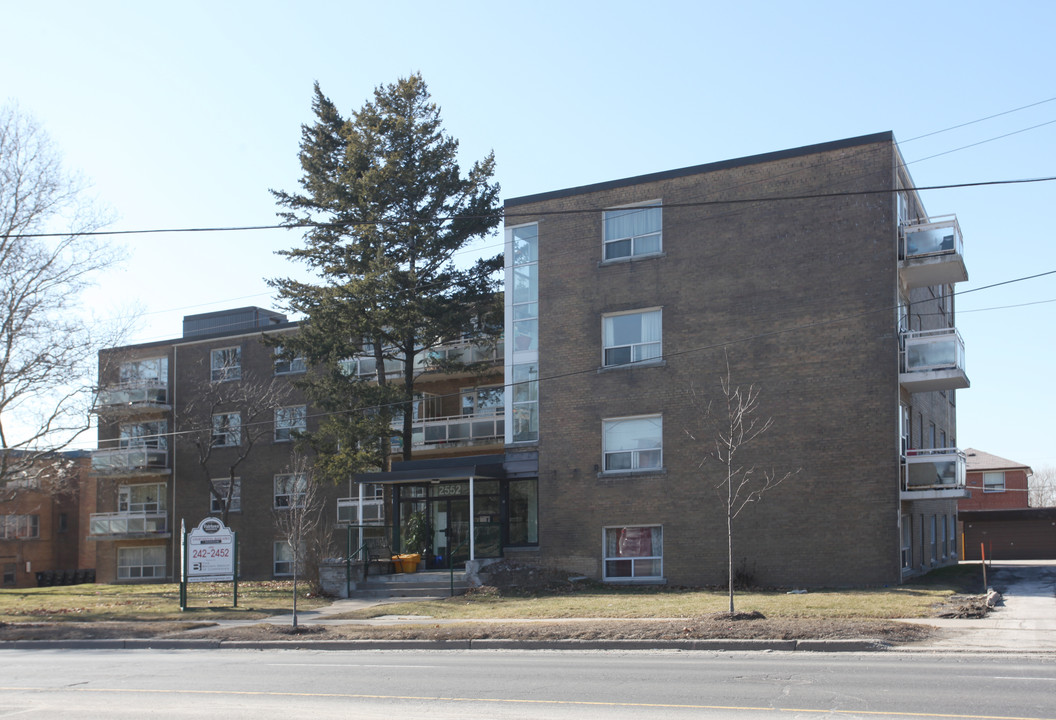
[514, 684]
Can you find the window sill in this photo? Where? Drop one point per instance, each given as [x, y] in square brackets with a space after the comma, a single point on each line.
[633, 365]
[621, 474]
[636, 581]
[631, 259]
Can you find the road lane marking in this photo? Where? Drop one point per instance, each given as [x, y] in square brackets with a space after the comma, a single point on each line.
[520, 701]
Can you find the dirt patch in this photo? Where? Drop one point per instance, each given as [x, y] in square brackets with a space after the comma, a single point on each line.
[711, 627]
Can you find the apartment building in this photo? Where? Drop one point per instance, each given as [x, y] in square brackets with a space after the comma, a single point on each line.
[817, 274]
[176, 415]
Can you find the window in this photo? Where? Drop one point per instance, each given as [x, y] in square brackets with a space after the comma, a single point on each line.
[145, 435]
[221, 486]
[524, 288]
[283, 559]
[931, 435]
[994, 482]
[226, 364]
[289, 420]
[290, 490]
[64, 522]
[141, 371]
[483, 401]
[634, 552]
[140, 499]
[525, 405]
[227, 429]
[9, 574]
[287, 366]
[632, 232]
[523, 507]
[632, 443]
[944, 540]
[934, 538]
[134, 563]
[19, 527]
[631, 337]
[907, 543]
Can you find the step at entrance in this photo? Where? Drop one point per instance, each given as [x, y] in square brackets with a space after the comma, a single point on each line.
[434, 583]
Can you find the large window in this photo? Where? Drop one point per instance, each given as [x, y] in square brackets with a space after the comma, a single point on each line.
[290, 490]
[283, 554]
[225, 364]
[993, 482]
[19, 527]
[525, 288]
[227, 429]
[483, 400]
[289, 420]
[632, 232]
[525, 402]
[145, 434]
[134, 563]
[634, 552]
[220, 486]
[524, 512]
[631, 337]
[633, 443]
[152, 370]
[142, 499]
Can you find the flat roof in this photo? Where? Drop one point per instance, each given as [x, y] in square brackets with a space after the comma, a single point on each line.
[887, 136]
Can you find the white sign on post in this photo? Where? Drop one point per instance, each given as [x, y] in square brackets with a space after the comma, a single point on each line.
[211, 552]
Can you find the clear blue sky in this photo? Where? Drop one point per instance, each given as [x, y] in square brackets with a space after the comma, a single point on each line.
[185, 114]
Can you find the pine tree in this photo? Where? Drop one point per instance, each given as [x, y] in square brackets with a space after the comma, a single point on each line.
[389, 208]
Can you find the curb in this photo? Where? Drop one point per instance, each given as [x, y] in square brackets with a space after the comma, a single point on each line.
[480, 644]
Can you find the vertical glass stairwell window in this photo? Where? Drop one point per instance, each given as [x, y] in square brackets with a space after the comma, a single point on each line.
[525, 288]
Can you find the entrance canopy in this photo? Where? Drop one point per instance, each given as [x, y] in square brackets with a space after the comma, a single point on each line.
[446, 469]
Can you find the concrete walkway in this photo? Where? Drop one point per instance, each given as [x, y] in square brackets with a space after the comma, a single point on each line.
[1025, 622]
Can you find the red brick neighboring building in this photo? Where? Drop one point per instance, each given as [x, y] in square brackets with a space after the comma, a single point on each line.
[40, 536]
[994, 483]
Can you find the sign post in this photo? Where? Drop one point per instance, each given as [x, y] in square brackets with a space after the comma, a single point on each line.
[209, 553]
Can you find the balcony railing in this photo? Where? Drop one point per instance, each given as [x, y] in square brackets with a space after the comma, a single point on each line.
[142, 394]
[462, 351]
[128, 524]
[936, 469]
[932, 252]
[454, 431]
[933, 360]
[126, 461]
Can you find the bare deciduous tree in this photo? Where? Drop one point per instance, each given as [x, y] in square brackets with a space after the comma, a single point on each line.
[224, 422]
[299, 521]
[731, 432]
[1041, 487]
[47, 343]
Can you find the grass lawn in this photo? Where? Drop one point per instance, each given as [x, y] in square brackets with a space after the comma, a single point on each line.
[210, 601]
[206, 601]
[595, 600]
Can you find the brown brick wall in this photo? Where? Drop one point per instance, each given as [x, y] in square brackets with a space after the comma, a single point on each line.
[813, 283]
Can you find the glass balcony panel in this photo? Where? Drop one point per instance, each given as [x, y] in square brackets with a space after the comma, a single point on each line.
[935, 469]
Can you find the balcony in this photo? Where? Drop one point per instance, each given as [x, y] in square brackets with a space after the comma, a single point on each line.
[125, 525]
[460, 351]
[131, 461]
[933, 474]
[129, 398]
[932, 360]
[931, 252]
[458, 431]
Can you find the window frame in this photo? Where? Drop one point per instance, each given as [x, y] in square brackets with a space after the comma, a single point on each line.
[289, 419]
[288, 492]
[636, 453]
[160, 502]
[287, 548]
[220, 484]
[124, 551]
[608, 242]
[221, 367]
[633, 577]
[226, 429]
[994, 487]
[606, 348]
[19, 526]
[293, 366]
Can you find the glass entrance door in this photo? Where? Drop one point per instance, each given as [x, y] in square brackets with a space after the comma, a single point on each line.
[449, 519]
